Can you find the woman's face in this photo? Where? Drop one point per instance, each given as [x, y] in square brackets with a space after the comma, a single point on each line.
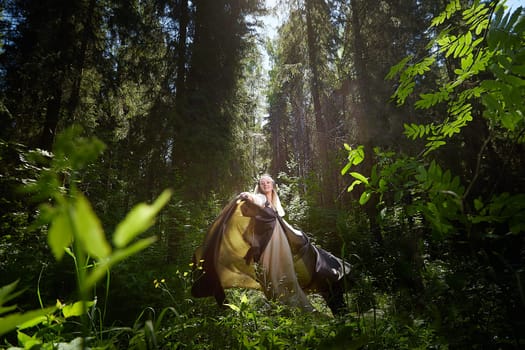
[266, 185]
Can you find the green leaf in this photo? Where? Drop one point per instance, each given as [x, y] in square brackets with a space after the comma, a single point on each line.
[59, 236]
[466, 62]
[490, 102]
[411, 130]
[90, 230]
[28, 342]
[478, 204]
[75, 151]
[346, 168]
[10, 322]
[382, 185]
[358, 155]
[163, 313]
[76, 309]
[452, 47]
[482, 26]
[510, 120]
[452, 7]
[421, 175]
[6, 309]
[459, 47]
[6, 292]
[398, 67]
[360, 177]
[515, 82]
[403, 91]
[233, 307]
[517, 227]
[138, 220]
[33, 322]
[351, 187]
[426, 100]
[518, 70]
[365, 197]
[438, 20]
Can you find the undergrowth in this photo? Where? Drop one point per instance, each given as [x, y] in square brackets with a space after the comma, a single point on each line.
[170, 319]
[248, 321]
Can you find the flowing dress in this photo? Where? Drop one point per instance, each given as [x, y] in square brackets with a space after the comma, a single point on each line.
[249, 246]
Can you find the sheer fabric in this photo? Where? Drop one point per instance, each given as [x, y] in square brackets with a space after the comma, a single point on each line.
[252, 247]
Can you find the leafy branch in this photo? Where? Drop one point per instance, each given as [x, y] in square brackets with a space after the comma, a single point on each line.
[488, 40]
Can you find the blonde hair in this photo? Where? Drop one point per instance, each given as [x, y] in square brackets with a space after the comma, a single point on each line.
[268, 176]
[276, 202]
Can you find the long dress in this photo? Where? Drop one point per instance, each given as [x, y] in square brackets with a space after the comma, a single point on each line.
[252, 246]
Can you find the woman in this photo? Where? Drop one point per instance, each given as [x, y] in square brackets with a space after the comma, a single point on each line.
[265, 194]
[250, 245]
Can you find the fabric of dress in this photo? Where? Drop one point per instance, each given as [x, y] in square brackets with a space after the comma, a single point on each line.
[250, 245]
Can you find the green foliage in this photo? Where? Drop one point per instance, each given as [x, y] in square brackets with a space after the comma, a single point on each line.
[76, 229]
[450, 237]
[491, 40]
[74, 226]
[248, 323]
[290, 193]
[355, 157]
[420, 188]
[434, 192]
[437, 194]
[504, 98]
[127, 91]
[414, 196]
[9, 320]
[502, 208]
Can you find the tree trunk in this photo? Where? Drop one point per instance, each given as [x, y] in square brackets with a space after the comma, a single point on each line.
[80, 61]
[181, 51]
[363, 113]
[54, 102]
[326, 197]
[180, 98]
[52, 117]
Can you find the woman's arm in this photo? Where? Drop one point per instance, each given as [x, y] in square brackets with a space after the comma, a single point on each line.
[255, 198]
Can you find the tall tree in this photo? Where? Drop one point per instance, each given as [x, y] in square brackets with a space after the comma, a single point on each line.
[289, 111]
[36, 64]
[221, 33]
[314, 12]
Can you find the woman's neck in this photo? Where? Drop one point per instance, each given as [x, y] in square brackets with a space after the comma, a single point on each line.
[269, 198]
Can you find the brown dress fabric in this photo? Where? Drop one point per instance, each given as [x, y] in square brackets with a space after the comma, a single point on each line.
[252, 247]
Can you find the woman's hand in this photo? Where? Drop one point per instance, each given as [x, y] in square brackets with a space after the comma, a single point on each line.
[247, 196]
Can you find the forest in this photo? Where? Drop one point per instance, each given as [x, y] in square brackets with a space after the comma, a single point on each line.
[395, 130]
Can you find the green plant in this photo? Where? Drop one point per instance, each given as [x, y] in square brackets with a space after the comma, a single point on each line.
[490, 40]
[75, 229]
[475, 226]
[9, 320]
